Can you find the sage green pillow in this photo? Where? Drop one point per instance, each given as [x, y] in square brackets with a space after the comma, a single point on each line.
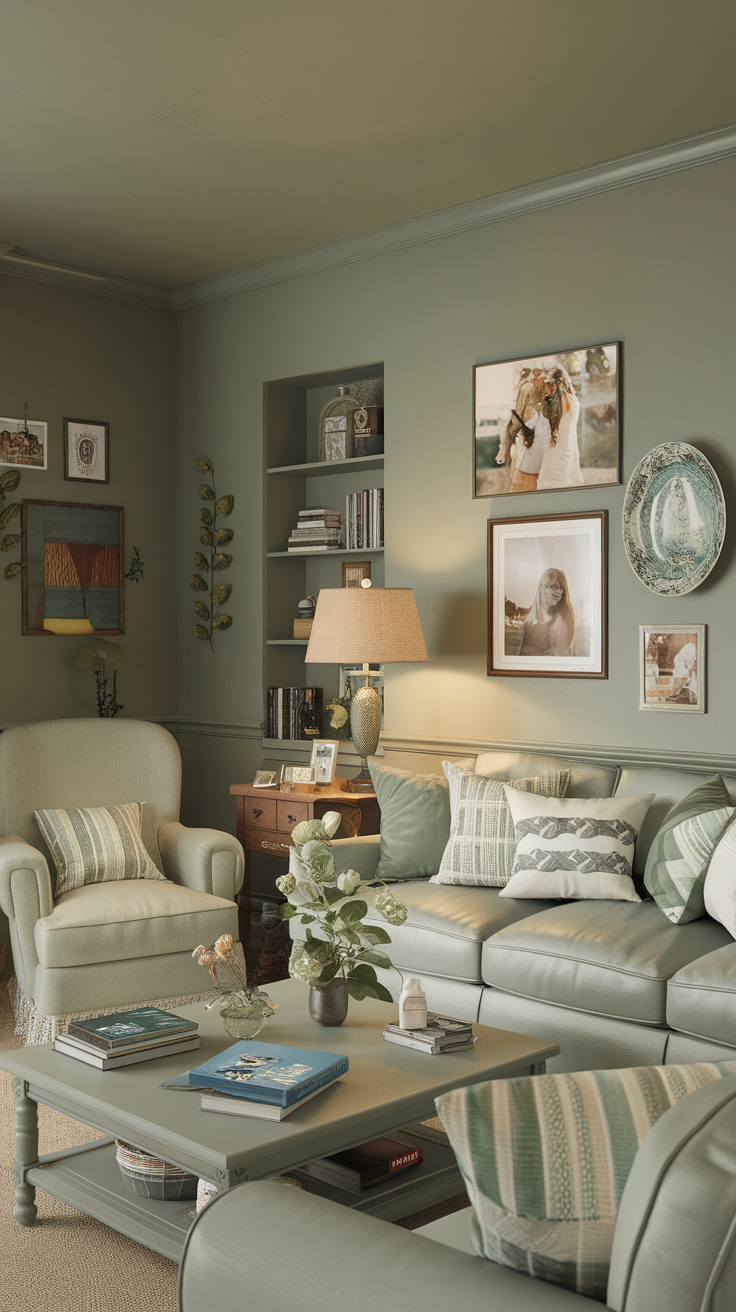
[679, 857]
[415, 822]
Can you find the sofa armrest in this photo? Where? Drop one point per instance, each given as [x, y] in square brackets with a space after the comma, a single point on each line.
[25, 896]
[289, 1249]
[361, 854]
[207, 860]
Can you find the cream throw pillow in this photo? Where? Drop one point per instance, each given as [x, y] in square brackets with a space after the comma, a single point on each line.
[96, 845]
[577, 847]
[482, 843]
[719, 891]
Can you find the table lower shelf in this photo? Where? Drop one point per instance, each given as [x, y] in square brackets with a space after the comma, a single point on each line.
[90, 1181]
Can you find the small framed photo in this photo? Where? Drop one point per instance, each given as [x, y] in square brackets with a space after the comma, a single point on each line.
[295, 774]
[354, 572]
[352, 678]
[24, 444]
[86, 451]
[547, 596]
[324, 759]
[265, 779]
[548, 422]
[672, 667]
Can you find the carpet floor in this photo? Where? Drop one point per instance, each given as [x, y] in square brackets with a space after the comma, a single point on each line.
[68, 1262]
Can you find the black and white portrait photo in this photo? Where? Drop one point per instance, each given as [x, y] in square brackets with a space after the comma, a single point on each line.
[672, 665]
[546, 596]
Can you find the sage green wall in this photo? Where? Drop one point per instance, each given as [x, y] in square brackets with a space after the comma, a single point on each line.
[651, 265]
[72, 354]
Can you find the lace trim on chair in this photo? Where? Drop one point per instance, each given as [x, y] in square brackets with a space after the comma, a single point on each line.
[36, 1028]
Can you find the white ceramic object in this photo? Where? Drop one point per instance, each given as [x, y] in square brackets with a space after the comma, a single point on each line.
[412, 1006]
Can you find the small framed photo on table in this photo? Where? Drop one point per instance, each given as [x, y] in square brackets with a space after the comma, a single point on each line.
[295, 774]
[672, 667]
[324, 759]
[86, 451]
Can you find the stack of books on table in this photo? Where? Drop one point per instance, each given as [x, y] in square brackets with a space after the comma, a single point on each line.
[442, 1034]
[369, 1163]
[266, 1080]
[317, 530]
[128, 1037]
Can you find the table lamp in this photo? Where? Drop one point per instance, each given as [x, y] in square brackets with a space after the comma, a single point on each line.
[104, 658]
[365, 626]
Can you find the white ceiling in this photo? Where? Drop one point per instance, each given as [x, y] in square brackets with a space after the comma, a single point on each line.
[169, 140]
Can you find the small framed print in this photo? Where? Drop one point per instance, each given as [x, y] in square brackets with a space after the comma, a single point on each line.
[324, 759]
[547, 596]
[295, 774]
[265, 779]
[672, 667]
[86, 451]
[355, 572]
[23, 443]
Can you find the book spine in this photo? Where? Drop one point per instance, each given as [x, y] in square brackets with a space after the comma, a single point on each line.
[274, 1097]
[316, 1082]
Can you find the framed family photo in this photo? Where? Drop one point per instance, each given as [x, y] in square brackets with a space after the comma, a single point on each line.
[547, 422]
[672, 667]
[547, 596]
[86, 451]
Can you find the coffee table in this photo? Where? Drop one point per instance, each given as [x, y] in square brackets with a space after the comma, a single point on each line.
[387, 1088]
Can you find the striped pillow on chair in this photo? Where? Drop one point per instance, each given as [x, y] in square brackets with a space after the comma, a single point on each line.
[96, 845]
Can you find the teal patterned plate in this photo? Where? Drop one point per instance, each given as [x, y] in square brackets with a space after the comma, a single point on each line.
[674, 519]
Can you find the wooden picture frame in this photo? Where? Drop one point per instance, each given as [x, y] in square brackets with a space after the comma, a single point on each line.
[672, 674]
[73, 561]
[354, 572]
[324, 759]
[548, 422]
[547, 596]
[86, 451]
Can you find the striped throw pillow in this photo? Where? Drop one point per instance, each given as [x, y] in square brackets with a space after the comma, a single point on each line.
[96, 845]
[678, 859]
[482, 843]
[545, 1159]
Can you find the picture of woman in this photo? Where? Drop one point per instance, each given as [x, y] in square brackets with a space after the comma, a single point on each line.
[549, 628]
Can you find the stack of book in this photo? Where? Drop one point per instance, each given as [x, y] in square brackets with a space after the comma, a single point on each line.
[266, 1080]
[441, 1034]
[289, 709]
[364, 519]
[356, 1168]
[317, 530]
[128, 1037]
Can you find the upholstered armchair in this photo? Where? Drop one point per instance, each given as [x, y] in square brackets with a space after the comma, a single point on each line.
[106, 946]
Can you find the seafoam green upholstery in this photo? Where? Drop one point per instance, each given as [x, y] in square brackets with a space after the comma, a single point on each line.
[701, 997]
[586, 778]
[669, 786]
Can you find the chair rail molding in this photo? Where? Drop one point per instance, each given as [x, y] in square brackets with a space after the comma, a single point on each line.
[625, 171]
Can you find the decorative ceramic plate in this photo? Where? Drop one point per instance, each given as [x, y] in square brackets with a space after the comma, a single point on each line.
[674, 519]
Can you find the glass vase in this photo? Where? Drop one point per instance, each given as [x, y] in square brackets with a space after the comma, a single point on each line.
[243, 1010]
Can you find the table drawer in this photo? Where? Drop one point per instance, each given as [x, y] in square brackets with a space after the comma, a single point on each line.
[270, 842]
[289, 814]
[260, 814]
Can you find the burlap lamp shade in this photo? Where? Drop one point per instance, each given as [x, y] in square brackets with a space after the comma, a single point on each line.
[365, 626]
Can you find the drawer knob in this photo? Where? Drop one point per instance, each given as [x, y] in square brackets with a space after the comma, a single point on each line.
[257, 811]
[291, 819]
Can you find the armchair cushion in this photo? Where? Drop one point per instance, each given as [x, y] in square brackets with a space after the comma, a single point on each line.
[129, 920]
[95, 845]
[545, 1160]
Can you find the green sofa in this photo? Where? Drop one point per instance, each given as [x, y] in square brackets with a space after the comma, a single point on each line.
[613, 983]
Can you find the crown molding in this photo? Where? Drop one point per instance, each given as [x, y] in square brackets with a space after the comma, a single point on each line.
[642, 166]
[83, 280]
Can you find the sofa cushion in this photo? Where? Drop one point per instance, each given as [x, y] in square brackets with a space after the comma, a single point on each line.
[545, 1160]
[669, 786]
[444, 932]
[681, 850]
[586, 778]
[609, 958]
[701, 997]
[415, 822]
[128, 920]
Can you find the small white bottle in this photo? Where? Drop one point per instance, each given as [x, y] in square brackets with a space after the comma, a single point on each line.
[412, 1006]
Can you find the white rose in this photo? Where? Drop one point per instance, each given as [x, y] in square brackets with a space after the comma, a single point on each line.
[348, 881]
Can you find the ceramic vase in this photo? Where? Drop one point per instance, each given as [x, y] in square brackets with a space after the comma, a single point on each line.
[329, 1005]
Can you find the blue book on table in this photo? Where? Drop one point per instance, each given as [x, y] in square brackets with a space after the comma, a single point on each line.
[268, 1072]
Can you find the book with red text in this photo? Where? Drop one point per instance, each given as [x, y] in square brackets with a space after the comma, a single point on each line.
[356, 1168]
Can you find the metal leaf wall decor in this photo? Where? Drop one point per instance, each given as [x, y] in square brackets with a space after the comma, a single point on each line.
[8, 483]
[211, 560]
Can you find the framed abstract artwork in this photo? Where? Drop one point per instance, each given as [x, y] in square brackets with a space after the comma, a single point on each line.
[544, 423]
[672, 667]
[86, 451]
[72, 568]
[547, 596]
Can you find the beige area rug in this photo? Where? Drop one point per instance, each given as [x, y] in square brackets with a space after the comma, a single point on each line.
[67, 1262]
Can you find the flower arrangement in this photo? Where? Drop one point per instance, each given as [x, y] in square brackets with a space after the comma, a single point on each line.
[244, 1010]
[317, 895]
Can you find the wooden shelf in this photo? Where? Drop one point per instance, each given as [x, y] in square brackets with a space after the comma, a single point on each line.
[287, 642]
[318, 468]
[340, 551]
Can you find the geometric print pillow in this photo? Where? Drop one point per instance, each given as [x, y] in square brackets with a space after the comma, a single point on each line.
[96, 845]
[680, 854]
[578, 847]
[482, 843]
[545, 1159]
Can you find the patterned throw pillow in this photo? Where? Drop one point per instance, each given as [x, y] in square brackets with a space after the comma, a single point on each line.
[545, 1159]
[482, 842]
[578, 847]
[96, 845]
[678, 858]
